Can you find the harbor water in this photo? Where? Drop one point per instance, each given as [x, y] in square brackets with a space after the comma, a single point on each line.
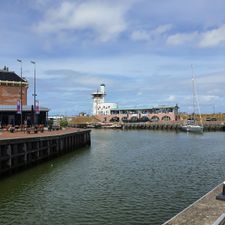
[124, 178]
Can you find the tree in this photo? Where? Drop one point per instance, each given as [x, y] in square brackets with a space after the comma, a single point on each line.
[63, 122]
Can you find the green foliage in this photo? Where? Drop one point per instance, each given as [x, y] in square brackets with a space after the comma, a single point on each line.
[63, 122]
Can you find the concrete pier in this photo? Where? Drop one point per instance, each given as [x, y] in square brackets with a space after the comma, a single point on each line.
[21, 150]
[206, 211]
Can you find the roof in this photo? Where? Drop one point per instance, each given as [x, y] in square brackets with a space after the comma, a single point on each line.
[10, 76]
[144, 107]
[6, 108]
[99, 94]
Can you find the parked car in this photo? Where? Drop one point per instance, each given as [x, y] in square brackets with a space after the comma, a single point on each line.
[211, 119]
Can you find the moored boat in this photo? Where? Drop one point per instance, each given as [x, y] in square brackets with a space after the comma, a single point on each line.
[111, 126]
[192, 125]
[192, 128]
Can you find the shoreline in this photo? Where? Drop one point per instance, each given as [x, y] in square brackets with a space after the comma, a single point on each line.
[173, 126]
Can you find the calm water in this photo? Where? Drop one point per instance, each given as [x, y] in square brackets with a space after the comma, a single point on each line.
[125, 177]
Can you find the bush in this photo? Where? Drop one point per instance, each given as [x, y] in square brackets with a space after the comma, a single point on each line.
[63, 122]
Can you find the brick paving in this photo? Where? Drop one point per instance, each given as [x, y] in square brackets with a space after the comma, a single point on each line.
[22, 134]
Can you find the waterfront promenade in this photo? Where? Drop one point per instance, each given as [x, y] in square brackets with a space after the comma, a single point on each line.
[205, 211]
[19, 134]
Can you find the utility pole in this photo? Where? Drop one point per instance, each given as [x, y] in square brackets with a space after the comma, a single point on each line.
[21, 92]
[34, 94]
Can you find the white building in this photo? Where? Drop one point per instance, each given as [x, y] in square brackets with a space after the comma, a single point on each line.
[100, 107]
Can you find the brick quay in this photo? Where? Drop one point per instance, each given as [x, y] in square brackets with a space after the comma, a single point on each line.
[19, 150]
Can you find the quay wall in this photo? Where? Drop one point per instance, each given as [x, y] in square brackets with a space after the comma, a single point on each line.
[170, 126]
[208, 210]
[17, 153]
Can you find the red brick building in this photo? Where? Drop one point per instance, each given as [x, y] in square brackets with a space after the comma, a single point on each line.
[12, 88]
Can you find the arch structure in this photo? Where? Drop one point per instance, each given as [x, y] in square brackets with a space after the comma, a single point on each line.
[166, 118]
[159, 114]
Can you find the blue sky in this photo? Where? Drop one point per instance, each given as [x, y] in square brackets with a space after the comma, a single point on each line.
[141, 49]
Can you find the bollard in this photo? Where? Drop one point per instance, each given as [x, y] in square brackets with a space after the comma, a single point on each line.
[221, 196]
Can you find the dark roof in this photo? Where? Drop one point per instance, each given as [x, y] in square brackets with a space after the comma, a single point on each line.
[10, 76]
[7, 108]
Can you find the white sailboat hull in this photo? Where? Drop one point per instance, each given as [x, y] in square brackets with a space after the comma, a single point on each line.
[192, 128]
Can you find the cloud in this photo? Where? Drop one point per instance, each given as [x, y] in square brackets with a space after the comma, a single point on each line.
[103, 19]
[212, 78]
[181, 38]
[171, 98]
[204, 39]
[74, 79]
[213, 38]
[162, 29]
[209, 99]
[140, 35]
[145, 35]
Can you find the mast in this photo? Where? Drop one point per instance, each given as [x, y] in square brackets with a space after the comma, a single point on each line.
[193, 93]
[195, 97]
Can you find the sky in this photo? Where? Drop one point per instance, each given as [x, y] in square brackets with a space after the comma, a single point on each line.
[144, 51]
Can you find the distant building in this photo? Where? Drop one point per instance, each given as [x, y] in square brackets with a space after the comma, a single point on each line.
[145, 114]
[83, 114]
[12, 87]
[100, 107]
[110, 112]
[56, 117]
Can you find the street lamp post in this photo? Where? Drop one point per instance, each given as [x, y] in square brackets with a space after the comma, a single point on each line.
[34, 94]
[21, 92]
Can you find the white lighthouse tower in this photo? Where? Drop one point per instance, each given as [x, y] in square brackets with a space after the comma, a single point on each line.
[100, 107]
[98, 98]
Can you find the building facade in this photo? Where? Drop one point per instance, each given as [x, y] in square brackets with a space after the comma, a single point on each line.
[14, 109]
[145, 114]
[100, 107]
[11, 88]
[110, 112]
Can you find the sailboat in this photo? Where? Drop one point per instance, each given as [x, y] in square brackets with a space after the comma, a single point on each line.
[192, 125]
